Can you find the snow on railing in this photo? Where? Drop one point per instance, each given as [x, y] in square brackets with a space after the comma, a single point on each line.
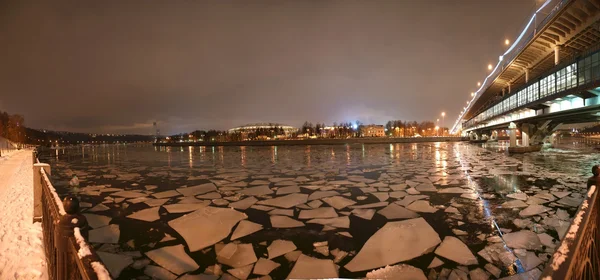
[61, 207]
[568, 261]
[82, 262]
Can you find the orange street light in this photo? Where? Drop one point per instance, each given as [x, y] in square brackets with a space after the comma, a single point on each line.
[507, 42]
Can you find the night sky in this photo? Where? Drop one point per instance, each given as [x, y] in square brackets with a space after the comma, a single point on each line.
[118, 66]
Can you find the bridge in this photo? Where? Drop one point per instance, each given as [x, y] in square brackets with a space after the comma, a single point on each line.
[549, 76]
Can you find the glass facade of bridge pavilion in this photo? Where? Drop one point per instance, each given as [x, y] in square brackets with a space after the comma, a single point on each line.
[582, 71]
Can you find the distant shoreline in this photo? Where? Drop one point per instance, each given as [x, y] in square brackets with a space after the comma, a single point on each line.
[317, 142]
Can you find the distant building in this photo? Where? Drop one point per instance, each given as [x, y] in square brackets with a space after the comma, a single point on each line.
[264, 131]
[372, 130]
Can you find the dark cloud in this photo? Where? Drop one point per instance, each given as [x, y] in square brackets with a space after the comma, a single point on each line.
[117, 66]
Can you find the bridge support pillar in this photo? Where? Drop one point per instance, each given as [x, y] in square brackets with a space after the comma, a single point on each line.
[37, 189]
[557, 54]
[525, 132]
[512, 133]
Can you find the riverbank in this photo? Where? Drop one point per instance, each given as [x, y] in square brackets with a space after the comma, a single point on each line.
[21, 248]
[318, 142]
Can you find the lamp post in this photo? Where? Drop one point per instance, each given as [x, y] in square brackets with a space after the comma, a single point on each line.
[443, 118]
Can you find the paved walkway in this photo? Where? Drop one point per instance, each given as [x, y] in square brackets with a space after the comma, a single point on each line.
[21, 248]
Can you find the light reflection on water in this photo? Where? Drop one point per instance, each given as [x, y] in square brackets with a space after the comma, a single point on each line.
[483, 215]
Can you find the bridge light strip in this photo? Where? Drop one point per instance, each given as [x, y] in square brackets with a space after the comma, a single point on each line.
[515, 43]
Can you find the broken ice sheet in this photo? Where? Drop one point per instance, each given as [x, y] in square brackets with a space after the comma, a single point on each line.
[243, 256]
[260, 190]
[166, 194]
[244, 203]
[206, 226]
[395, 242]
[400, 272]
[366, 214]
[285, 222]
[196, 190]
[128, 194]
[98, 208]
[242, 272]
[115, 263]
[394, 211]
[287, 201]
[455, 250]
[324, 212]
[244, 228]
[421, 206]
[280, 247]
[311, 268]
[183, 207]
[264, 266]
[339, 222]
[107, 234]
[173, 258]
[96, 221]
[148, 215]
[338, 202]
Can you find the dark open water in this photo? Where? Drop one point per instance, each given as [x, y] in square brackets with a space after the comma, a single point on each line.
[486, 174]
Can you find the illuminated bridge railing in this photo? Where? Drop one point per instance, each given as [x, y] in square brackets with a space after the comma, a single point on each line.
[527, 34]
[577, 256]
[570, 77]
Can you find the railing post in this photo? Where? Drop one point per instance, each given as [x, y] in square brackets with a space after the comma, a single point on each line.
[37, 189]
[64, 230]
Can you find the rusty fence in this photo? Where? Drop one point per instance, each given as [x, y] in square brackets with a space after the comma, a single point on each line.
[68, 254]
[577, 256]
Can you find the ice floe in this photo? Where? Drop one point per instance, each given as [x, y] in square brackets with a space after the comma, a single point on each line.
[115, 263]
[243, 256]
[148, 215]
[285, 222]
[265, 266]
[183, 207]
[107, 234]
[422, 206]
[455, 250]
[395, 242]
[280, 247]
[394, 211]
[244, 228]
[311, 268]
[400, 272]
[287, 201]
[325, 212]
[206, 226]
[173, 258]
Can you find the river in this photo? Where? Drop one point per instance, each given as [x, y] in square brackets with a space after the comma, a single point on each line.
[341, 210]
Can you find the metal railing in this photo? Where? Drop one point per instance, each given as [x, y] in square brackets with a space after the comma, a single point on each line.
[68, 255]
[577, 256]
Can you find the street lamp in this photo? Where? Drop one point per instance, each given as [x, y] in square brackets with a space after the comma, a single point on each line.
[490, 67]
[443, 119]
[507, 42]
[478, 84]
